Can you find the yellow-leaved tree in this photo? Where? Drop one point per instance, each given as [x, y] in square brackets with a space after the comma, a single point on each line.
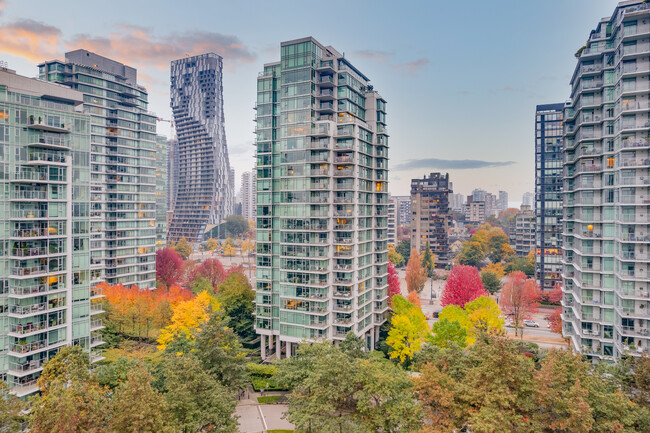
[187, 318]
[481, 314]
[409, 327]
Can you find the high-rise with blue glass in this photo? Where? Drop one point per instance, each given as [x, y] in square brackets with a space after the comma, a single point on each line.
[322, 200]
[548, 194]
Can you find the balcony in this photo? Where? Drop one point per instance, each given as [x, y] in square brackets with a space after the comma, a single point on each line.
[49, 126]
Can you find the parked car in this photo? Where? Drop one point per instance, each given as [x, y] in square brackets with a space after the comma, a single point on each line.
[531, 323]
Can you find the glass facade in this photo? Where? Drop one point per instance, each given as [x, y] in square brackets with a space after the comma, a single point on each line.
[122, 166]
[548, 194]
[322, 200]
[606, 234]
[45, 295]
[204, 183]
[162, 190]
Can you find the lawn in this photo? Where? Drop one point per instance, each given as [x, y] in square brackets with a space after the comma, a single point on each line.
[269, 400]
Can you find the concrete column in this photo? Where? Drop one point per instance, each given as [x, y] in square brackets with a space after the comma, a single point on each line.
[263, 346]
[278, 347]
[288, 349]
[372, 339]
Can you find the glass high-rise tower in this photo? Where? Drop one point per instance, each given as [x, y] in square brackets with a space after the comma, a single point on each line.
[204, 184]
[122, 166]
[606, 238]
[45, 294]
[548, 194]
[322, 200]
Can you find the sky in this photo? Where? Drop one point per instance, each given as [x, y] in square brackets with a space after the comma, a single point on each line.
[462, 78]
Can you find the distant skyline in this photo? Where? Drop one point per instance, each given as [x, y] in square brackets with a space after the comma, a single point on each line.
[462, 79]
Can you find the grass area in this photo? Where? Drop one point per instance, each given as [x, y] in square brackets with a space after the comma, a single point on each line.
[269, 400]
[261, 383]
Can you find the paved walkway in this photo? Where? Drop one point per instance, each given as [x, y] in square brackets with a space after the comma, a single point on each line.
[259, 418]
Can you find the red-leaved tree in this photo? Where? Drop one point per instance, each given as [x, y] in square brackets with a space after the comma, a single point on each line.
[393, 282]
[519, 298]
[556, 320]
[463, 285]
[169, 267]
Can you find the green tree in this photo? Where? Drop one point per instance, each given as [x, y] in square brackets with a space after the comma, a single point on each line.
[522, 264]
[495, 246]
[236, 296]
[490, 282]
[403, 247]
[471, 253]
[445, 332]
[10, 410]
[201, 284]
[115, 373]
[235, 225]
[220, 352]
[137, 407]
[183, 248]
[353, 346]
[336, 392]
[196, 400]
[428, 261]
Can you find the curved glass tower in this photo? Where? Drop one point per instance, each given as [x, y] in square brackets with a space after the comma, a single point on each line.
[204, 192]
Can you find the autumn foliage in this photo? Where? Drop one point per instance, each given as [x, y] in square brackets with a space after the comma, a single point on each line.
[463, 285]
[393, 282]
[416, 275]
[138, 312]
[169, 267]
[519, 297]
[210, 269]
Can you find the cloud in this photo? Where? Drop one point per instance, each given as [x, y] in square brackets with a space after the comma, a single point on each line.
[449, 164]
[138, 46]
[376, 55]
[32, 40]
[412, 68]
[3, 4]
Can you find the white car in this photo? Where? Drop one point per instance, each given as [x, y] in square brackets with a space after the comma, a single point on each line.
[531, 323]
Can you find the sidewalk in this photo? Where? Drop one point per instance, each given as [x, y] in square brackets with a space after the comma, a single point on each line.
[259, 418]
[558, 342]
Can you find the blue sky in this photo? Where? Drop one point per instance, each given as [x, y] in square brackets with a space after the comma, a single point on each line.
[461, 78]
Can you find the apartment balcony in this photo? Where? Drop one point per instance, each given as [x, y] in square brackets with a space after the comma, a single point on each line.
[20, 330]
[49, 127]
[96, 308]
[341, 172]
[25, 368]
[40, 308]
[24, 388]
[96, 355]
[46, 158]
[49, 142]
[23, 349]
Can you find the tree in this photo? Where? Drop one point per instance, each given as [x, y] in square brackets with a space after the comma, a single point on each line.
[212, 244]
[220, 352]
[236, 296]
[403, 247]
[408, 329]
[428, 261]
[196, 400]
[248, 247]
[210, 269]
[496, 268]
[496, 241]
[415, 274]
[169, 267]
[490, 282]
[393, 282]
[71, 400]
[463, 285]
[201, 284]
[555, 321]
[137, 407]
[414, 299]
[229, 250]
[336, 391]
[471, 254]
[235, 225]
[556, 294]
[519, 298]
[394, 257]
[10, 410]
[485, 315]
[183, 248]
[187, 318]
[445, 332]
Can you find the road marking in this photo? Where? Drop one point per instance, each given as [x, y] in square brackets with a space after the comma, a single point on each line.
[259, 409]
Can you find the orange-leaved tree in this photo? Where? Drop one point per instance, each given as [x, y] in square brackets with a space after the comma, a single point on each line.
[416, 275]
[519, 298]
[141, 313]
